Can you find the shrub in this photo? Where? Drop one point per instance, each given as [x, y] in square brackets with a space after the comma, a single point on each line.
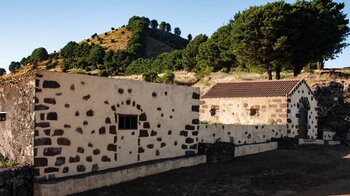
[150, 76]
[112, 40]
[106, 34]
[112, 28]
[168, 77]
[103, 73]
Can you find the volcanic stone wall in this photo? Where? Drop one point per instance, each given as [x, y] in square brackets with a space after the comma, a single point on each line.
[241, 134]
[76, 128]
[267, 110]
[17, 117]
[302, 94]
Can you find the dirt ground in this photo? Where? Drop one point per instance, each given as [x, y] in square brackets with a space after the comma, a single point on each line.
[311, 170]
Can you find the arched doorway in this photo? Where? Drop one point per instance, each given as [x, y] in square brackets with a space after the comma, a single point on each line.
[304, 107]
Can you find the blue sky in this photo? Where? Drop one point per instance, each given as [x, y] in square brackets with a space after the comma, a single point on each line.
[26, 25]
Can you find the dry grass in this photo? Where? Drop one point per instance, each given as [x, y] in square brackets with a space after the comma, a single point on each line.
[112, 40]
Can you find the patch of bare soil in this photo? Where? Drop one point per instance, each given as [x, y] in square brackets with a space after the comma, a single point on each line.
[311, 170]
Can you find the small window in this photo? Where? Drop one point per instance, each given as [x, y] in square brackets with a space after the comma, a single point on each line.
[254, 112]
[2, 116]
[127, 122]
[214, 111]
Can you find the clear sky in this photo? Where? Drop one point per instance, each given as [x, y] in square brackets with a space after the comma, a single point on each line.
[26, 25]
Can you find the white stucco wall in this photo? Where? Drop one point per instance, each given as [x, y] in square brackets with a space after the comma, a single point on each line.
[77, 129]
[302, 90]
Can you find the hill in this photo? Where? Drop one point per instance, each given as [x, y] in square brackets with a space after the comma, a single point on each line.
[108, 53]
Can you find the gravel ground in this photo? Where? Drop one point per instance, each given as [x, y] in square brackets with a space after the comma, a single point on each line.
[311, 170]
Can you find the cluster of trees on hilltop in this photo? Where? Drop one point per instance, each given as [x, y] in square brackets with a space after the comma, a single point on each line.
[273, 37]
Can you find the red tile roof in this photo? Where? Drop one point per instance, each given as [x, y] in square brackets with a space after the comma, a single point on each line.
[272, 88]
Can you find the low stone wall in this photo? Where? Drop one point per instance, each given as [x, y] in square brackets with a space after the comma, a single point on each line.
[255, 148]
[83, 183]
[241, 134]
[16, 181]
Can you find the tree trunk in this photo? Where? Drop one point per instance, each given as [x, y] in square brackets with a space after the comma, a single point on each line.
[278, 72]
[269, 72]
[320, 65]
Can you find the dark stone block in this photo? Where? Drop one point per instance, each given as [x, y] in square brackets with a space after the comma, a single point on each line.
[86, 123]
[40, 107]
[96, 151]
[86, 97]
[79, 130]
[106, 102]
[115, 139]
[52, 151]
[72, 87]
[142, 117]
[90, 113]
[107, 120]
[47, 132]
[129, 90]
[153, 133]
[102, 130]
[88, 159]
[157, 153]
[80, 168]
[150, 146]
[195, 133]
[40, 162]
[112, 129]
[74, 159]
[183, 133]
[50, 101]
[143, 133]
[120, 90]
[158, 125]
[36, 100]
[38, 90]
[112, 147]
[66, 105]
[189, 127]
[77, 113]
[105, 159]
[159, 139]
[195, 95]
[51, 116]
[80, 150]
[189, 140]
[138, 107]
[66, 126]
[63, 141]
[90, 145]
[51, 84]
[195, 121]
[184, 146]
[154, 94]
[141, 150]
[65, 170]
[195, 108]
[116, 156]
[163, 144]
[42, 124]
[169, 132]
[146, 125]
[58, 94]
[128, 102]
[60, 161]
[194, 146]
[289, 120]
[94, 167]
[42, 141]
[113, 108]
[159, 108]
[50, 170]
